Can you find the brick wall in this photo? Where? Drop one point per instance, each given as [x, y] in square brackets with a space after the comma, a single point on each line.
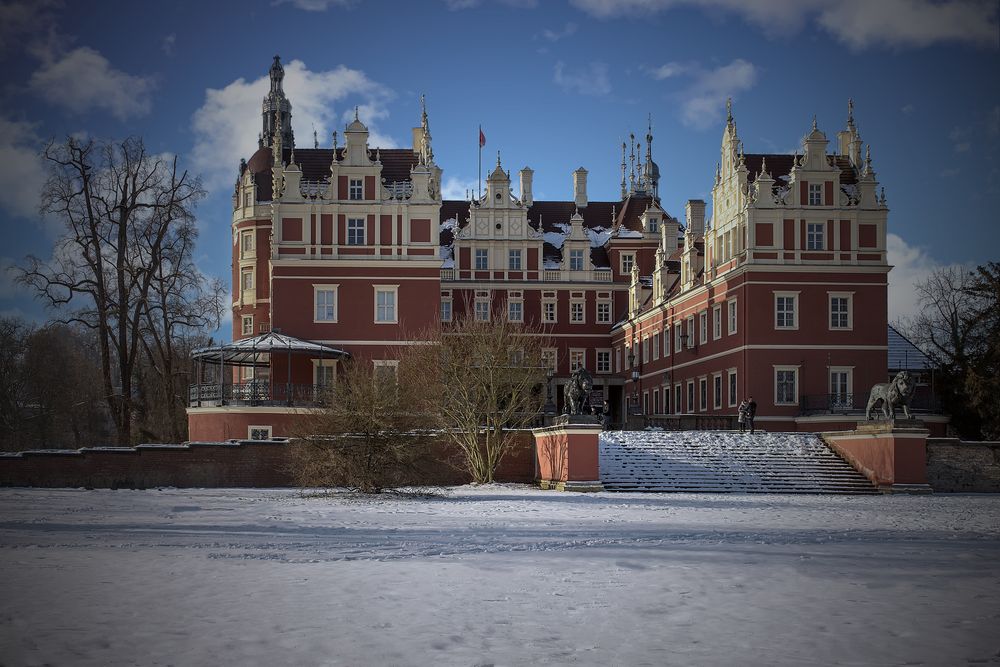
[957, 466]
[204, 465]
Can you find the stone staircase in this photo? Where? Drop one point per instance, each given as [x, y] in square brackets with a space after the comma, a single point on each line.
[726, 462]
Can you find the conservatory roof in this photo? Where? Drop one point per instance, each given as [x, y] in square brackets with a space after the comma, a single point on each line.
[250, 351]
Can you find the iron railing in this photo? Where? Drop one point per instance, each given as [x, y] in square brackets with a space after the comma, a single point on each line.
[256, 392]
[855, 404]
[685, 422]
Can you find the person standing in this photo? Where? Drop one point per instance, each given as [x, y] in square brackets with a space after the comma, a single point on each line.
[751, 412]
[741, 417]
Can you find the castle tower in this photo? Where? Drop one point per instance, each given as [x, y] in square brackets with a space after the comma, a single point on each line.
[276, 102]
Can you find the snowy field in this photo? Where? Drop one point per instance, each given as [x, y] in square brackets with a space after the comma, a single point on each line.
[504, 575]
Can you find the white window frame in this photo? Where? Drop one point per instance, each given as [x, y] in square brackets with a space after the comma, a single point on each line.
[678, 341]
[678, 399]
[703, 327]
[577, 353]
[484, 254]
[577, 307]
[597, 362]
[656, 401]
[482, 306]
[324, 363]
[849, 296]
[243, 325]
[645, 349]
[259, 427]
[244, 272]
[732, 316]
[717, 388]
[575, 255]
[689, 326]
[555, 311]
[356, 189]
[618, 360]
[847, 370]
[666, 340]
[447, 301]
[550, 358]
[815, 194]
[360, 231]
[317, 288]
[716, 322]
[690, 397]
[655, 345]
[387, 363]
[247, 250]
[795, 384]
[733, 387]
[815, 236]
[512, 254]
[653, 224]
[794, 296]
[387, 289]
[604, 318]
[511, 303]
[703, 393]
[626, 258]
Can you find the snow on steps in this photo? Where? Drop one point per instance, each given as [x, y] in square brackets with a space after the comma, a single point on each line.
[725, 461]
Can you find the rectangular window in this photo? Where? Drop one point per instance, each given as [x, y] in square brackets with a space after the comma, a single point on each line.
[731, 305]
[385, 304]
[618, 360]
[246, 279]
[482, 259]
[645, 349]
[604, 312]
[815, 194]
[576, 312]
[784, 311]
[716, 322]
[386, 370]
[515, 311]
[690, 402]
[689, 330]
[446, 310]
[677, 336]
[246, 244]
[325, 300]
[604, 361]
[258, 432]
[677, 399]
[656, 346]
[840, 389]
[732, 389]
[324, 373]
[550, 358]
[785, 389]
[703, 327]
[666, 340]
[549, 311]
[356, 189]
[355, 231]
[482, 310]
[656, 401]
[576, 359]
[514, 260]
[814, 235]
[717, 391]
[840, 311]
[654, 225]
[628, 261]
[576, 260]
[247, 328]
[703, 394]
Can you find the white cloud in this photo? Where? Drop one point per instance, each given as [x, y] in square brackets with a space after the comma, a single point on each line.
[167, 45]
[910, 265]
[457, 188]
[226, 126]
[83, 79]
[556, 35]
[316, 5]
[22, 171]
[703, 99]
[591, 79]
[856, 23]
[456, 5]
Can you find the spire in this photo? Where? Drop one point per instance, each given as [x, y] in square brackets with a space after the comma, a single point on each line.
[277, 73]
[631, 159]
[275, 101]
[335, 144]
[426, 152]
[814, 127]
[868, 160]
[356, 119]
[315, 138]
[850, 112]
[498, 157]
[729, 111]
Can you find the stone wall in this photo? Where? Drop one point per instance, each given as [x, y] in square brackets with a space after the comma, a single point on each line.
[957, 466]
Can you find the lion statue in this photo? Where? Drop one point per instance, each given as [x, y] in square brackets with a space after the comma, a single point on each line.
[892, 395]
[577, 391]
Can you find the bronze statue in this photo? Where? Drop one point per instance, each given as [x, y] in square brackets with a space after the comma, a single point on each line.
[889, 396]
[577, 392]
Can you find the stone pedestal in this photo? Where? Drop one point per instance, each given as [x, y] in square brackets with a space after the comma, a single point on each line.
[566, 454]
[891, 453]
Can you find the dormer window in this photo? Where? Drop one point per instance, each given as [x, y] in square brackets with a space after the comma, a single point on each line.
[628, 261]
[815, 194]
[355, 189]
[576, 260]
[653, 226]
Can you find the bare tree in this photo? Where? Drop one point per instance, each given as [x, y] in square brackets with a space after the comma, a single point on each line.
[14, 335]
[372, 433]
[120, 208]
[483, 381]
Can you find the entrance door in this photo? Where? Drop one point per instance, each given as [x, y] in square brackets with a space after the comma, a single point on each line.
[840, 398]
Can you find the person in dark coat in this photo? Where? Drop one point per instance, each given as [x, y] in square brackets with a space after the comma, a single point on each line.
[751, 412]
[606, 416]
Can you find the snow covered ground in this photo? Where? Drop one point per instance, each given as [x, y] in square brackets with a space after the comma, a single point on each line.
[504, 575]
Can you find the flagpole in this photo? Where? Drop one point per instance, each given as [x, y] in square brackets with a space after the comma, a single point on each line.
[479, 140]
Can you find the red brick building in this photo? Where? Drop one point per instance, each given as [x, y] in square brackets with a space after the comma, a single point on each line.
[782, 294]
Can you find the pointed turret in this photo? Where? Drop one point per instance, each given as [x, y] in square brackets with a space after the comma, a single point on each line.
[275, 101]
[849, 139]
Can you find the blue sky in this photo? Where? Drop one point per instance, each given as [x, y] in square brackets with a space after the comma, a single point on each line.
[556, 84]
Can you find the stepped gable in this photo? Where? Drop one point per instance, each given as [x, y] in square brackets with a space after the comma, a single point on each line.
[315, 165]
[725, 461]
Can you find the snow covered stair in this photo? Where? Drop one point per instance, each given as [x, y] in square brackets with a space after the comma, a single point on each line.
[725, 461]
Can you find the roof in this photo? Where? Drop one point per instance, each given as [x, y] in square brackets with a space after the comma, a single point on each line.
[315, 165]
[780, 164]
[904, 355]
[246, 352]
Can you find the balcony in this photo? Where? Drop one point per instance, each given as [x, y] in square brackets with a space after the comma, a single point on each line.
[855, 404]
[256, 393]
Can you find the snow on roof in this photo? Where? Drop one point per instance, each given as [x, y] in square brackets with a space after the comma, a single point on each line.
[557, 239]
[598, 236]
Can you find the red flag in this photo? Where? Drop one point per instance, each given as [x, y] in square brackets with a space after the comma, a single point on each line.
[482, 138]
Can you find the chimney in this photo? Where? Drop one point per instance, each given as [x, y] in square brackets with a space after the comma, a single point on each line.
[694, 217]
[580, 187]
[526, 197]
